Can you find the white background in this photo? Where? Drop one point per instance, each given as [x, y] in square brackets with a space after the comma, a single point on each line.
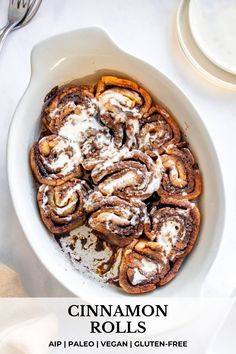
[147, 30]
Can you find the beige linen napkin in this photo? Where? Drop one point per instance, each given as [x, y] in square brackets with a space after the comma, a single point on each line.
[10, 283]
[25, 327]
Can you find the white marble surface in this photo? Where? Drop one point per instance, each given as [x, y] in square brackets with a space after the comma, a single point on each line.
[145, 29]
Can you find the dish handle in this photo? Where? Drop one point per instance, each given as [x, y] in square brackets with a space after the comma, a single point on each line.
[89, 41]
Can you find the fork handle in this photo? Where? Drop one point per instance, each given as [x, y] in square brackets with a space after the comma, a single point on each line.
[4, 33]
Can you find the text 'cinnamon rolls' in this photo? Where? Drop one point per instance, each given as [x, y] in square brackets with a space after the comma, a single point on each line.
[114, 181]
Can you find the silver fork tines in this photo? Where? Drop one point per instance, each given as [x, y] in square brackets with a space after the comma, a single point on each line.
[16, 12]
[33, 8]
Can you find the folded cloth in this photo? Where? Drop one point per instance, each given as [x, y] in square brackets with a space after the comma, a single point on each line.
[10, 283]
[29, 336]
[25, 326]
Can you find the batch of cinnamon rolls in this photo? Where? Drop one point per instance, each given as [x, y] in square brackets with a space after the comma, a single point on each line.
[111, 160]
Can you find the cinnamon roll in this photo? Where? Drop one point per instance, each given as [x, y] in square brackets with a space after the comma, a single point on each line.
[54, 160]
[135, 175]
[122, 103]
[174, 226]
[96, 148]
[181, 176]
[144, 267]
[116, 220]
[69, 104]
[157, 130]
[62, 208]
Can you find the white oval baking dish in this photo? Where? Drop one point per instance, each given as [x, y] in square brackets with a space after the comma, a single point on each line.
[86, 54]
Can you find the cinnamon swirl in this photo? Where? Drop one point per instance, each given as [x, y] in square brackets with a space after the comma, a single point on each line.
[181, 176]
[174, 226]
[158, 130]
[71, 104]
[96, 148]
[122, 103]
[55, 160]
[116, 220]
[62, 208]
[135, 175]
[144, 267]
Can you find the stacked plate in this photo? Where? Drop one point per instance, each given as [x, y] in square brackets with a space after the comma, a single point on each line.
[206, 30]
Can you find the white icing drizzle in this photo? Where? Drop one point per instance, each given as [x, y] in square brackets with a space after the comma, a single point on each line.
[156, 179]
[102, 140]
[147, 139]
[148, 266]
[62, 204]
[115, 219]
[137, 277]
[150, 138]
[60, 211]
[149, 185]
[86, 257]
[118, 105]
[119, 183]
[45, 197]
[169, 234]
[56, 112]
[135, 125]
[121, 216]
[174, 174]
[127, 218]
[132, 131]
[110, 155]
[76, 126]
[69, 193]
[64, 162]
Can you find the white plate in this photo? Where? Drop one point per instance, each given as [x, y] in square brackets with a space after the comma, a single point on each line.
[203, 65]
[87, 54]
[213, 25]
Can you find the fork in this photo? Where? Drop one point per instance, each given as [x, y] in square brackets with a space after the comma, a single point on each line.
[33, 8]
[16, 12]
